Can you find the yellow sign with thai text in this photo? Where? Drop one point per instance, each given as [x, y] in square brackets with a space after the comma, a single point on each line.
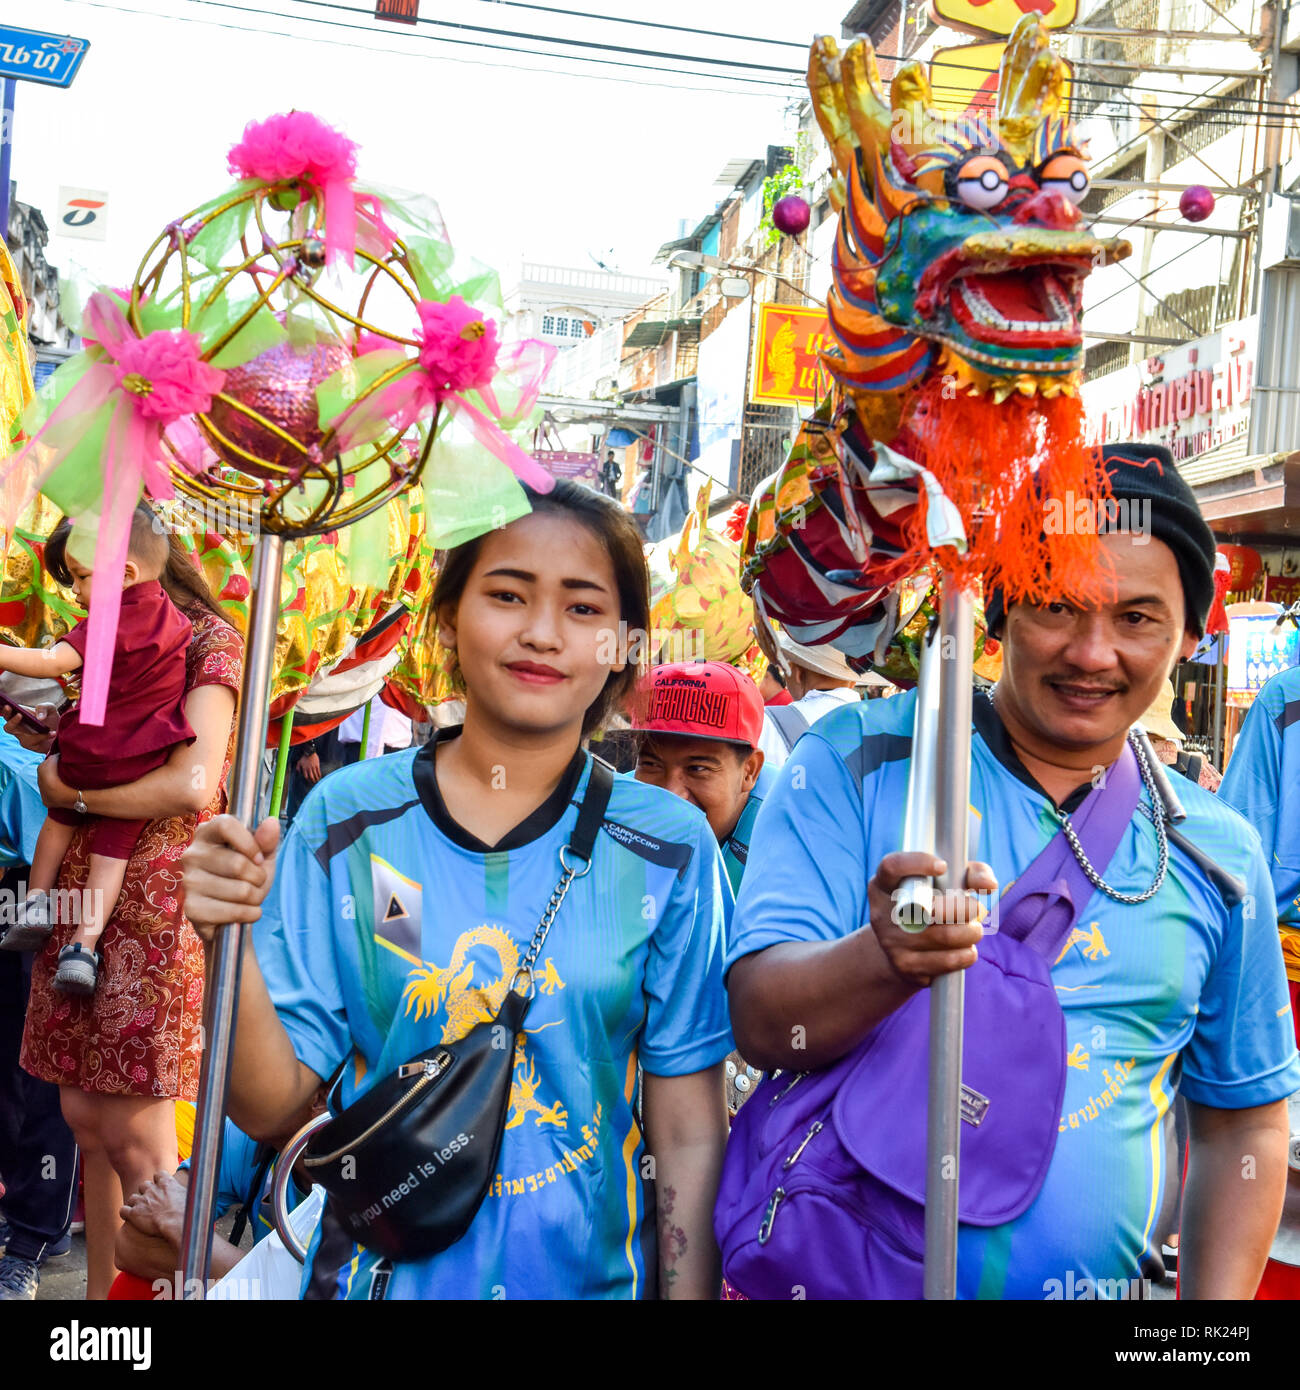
[787, 366]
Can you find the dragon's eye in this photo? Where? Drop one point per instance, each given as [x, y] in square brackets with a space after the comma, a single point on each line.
[982, 182]
[1067, 174]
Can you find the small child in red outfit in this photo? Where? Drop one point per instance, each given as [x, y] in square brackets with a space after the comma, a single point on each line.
[145, 721]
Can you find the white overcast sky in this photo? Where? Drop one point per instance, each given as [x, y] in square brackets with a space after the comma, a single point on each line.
[543, 165]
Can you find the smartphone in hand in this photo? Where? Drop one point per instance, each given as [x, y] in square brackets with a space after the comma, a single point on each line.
[33, 721]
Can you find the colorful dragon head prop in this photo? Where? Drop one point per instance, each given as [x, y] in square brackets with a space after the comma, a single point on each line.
[958, 267]
[959, 247]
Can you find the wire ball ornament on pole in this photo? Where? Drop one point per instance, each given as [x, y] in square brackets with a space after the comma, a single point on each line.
[264, 429]
[294, 349]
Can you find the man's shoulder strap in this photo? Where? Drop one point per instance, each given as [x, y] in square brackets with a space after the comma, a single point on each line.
[1189, 764]
[1042, 905]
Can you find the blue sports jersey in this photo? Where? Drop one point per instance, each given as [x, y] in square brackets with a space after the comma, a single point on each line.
[1181, 993]
[1263, 778]
[358, 960]
[735, 848]
[22, 813]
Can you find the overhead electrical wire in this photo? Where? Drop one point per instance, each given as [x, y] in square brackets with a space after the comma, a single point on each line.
[773, 88]
[1286, 114]
[560, 40]
[644, 23]
[1282, 107]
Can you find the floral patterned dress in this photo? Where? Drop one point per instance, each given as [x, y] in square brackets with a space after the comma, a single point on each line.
[138, 1034]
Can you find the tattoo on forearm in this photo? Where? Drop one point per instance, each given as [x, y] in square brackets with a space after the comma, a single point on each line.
[672, 1239]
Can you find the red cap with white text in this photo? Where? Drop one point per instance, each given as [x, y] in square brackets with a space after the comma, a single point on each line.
[702, 699]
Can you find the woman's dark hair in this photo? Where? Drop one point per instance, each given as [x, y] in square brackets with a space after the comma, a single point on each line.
[181, 579]
[617, 532]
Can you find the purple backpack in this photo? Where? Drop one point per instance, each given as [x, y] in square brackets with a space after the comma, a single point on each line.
[823, 1183]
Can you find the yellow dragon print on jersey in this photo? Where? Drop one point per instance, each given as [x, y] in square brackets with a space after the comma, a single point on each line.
[431, 987]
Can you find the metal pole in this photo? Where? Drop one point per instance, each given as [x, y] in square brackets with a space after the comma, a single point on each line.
[915, 896]
[1220, 682]
[6, 154]
[1272, 158]
[281, 762]
[222, 1000]
[948, 992]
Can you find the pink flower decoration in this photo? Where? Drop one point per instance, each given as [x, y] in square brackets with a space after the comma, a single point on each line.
[294, 146]
[458, 346]
[138, 1073]
[167, 376]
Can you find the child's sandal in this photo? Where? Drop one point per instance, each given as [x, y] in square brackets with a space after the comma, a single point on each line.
[78, 971]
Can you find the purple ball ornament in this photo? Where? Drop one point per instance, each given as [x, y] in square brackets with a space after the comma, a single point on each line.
[791, 214]
[1196, 203]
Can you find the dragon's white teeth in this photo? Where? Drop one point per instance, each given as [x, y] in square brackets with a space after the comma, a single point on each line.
[1059, 300]
[984, 312]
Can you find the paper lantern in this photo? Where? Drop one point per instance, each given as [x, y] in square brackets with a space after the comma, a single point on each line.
[1245, 567]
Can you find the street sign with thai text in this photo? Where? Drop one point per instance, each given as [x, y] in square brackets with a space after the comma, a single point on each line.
[32, 56]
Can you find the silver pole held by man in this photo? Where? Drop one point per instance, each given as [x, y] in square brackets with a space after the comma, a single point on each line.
[948, 992]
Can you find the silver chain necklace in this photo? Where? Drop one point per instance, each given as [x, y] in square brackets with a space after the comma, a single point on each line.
[1162, 839]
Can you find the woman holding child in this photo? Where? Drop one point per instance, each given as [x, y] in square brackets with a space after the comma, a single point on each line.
[124, 1054]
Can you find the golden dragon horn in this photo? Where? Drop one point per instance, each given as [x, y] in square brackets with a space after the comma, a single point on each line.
[1031, 85]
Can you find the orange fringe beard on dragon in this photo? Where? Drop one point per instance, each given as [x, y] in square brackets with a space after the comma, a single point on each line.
[954, 410]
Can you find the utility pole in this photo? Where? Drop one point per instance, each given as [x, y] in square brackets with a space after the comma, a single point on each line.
[1272, 146]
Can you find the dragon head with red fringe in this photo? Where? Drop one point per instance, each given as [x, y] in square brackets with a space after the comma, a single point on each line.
[959, 263]
[960, 249]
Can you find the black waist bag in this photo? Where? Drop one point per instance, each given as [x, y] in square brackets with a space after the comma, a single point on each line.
[407, 1165]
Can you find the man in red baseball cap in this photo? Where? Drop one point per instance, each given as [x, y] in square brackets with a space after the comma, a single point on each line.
[699, 726]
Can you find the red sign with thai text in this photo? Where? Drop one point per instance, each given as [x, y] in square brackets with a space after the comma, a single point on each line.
[1191, 398]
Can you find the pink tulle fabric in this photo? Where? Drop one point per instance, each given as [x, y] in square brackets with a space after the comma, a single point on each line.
[293, 146]
[461, 364]
[301, 146]
[458, 347]
[180, 381]
[149, 384]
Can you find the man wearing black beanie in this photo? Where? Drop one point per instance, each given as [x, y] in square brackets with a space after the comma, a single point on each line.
[1169, 974]
[1150, 497]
